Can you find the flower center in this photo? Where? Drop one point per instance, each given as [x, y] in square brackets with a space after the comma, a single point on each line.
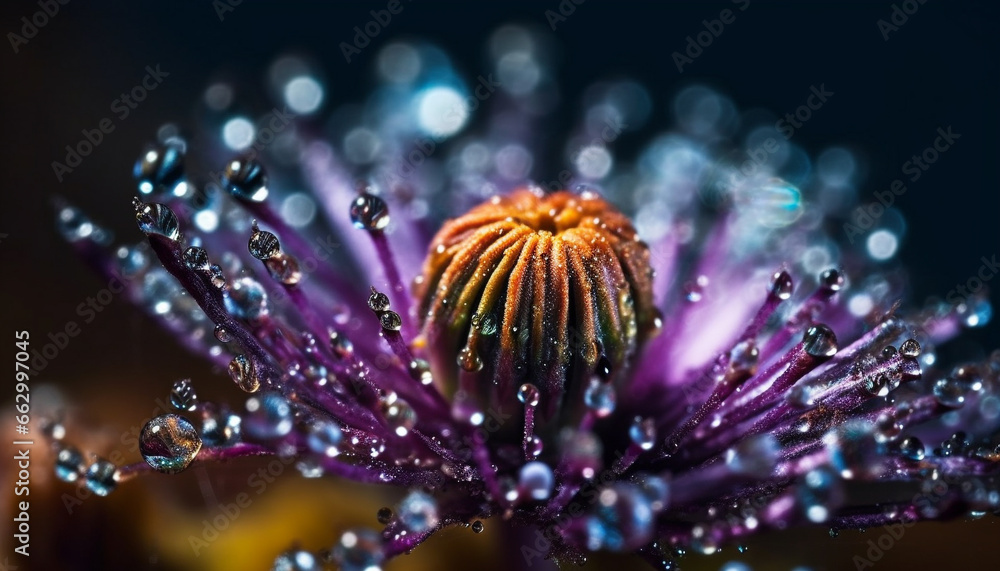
[552, 290]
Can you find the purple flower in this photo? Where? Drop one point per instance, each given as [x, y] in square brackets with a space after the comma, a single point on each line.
[720, 363]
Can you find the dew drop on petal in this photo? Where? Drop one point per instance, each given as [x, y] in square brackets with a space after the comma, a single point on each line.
[157, 219]
[600, 398]
[912, 448]
[183, 396]
[781, 285]
[369, 212]
[284, 269]
[221, 428]
[384, 515]
[359, 550]
[263, 245]
[390, 321]
[244, 373]
[69, 464]
[819, 341]
[477, 526]
[222, 334]
[528, 394]
[169, 443]
[101, 477]
[949, 392]
[910, 349]
[324, 438]
[196, 258]
[268, 416]
[246, 299]
[296, 560]
[245, 179]
[642, 432]
[418, 512]
[535, 480]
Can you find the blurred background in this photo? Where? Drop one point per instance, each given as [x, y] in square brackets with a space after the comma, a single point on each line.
[893, 85]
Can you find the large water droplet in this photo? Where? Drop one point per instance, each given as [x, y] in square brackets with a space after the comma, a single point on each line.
[157, 219]
[220, 428]
[528, 394]
[268, 416]
[160, 167]
[819, 341]
[418, 512]
[245, 179]
[378, 301]
[359, 550]
[246, 299]
[781, 285]
[101, 477]
[600, 398]
[949, 392]
[284, 268]
[399, 415]
[196, 258]
[183, 396]
[295, 560]
[263, 245]
[390, 321]
[244, 373]
[169, 443]
[832, 280]
[743, 358]
[642, 432]
[755, 456]
[912, 448]
[324, 438]
[69, 464]
[536, 480]
[469, 360]
[369, 212]
[910, 349]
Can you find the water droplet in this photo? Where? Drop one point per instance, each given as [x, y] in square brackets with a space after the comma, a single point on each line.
[853, 450]
[642, 432]
[877, 385]
[378, 301]
[157, 219]
[69, 464]
[216, 276]
[341, 345]
[887, 428]
[912, 448]
[910, 349]
[421, 370]
[268, 416]
[832, 280]
[263, 245]
[245, 179]
[535, 446]
[781, 285]
[529, 394]
[755, 456]
[418, 512]
[369, 212]
[469, 360]
[183, 396]
[743, 358]
[220, 428]
[169, 443]
[391, 321]
[284, 269]
[535, 480]
[324, 438]
[196, 258]
[819, 341]
[600, 398]
[101, 477]
[246, 299]
[222, 334]
[160, 167]
[949, 392]
[359, 550]
[477, 526]
[244, 373]
[295, 560]
[976, 312]
[399, 415]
